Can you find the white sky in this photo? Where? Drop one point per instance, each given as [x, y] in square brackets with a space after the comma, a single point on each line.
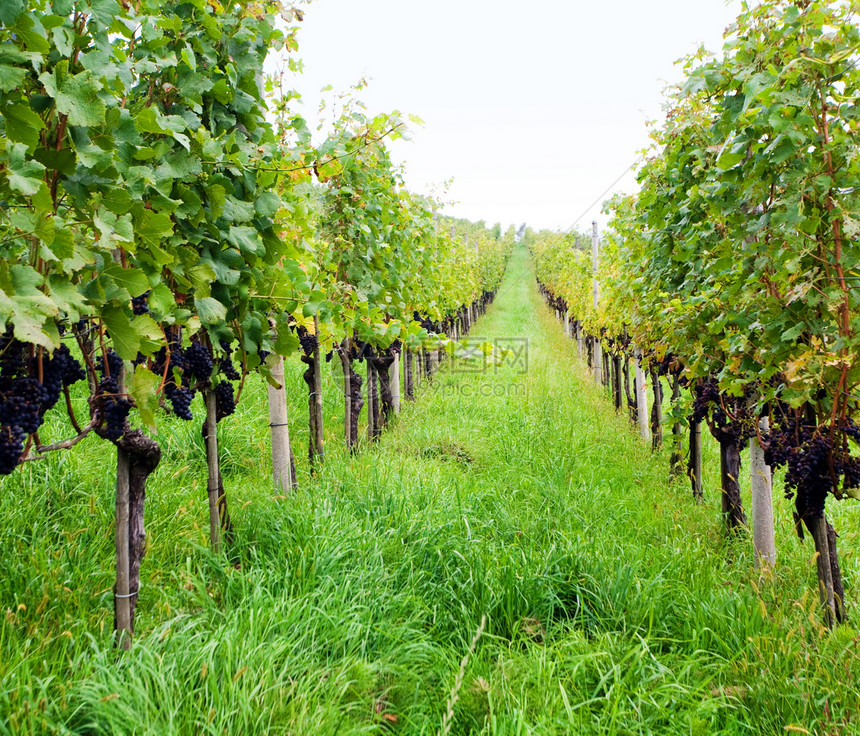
[533, 109]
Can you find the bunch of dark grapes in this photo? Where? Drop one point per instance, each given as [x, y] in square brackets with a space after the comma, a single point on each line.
[425, 322]
[811, 462]
[225, 402]
[115, 409]
[229, 370]
[226, 364]
[706, 393]
[198, 361]
[669, 365]
[61, 369]
[180, 399]
[73, 371]
[140, 304]
[23, 398]
[22, 404]
[11, 447]
[177, 355]
[852, 430]
[114, 365]
[308, 341]
[179, 395]
[728, 417]
[53, 371]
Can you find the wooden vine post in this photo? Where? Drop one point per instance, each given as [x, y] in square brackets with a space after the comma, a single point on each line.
[283, 464]
[641, 396]
[319, 435]
[596, 361]
[213, 475]
[122, 592]
[394, 378]
[213, 463]
[762, 502]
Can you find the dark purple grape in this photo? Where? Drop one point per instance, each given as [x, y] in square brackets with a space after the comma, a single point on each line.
[180, 399]
[308, 341]
[114, 365]
[115, 408]
[23, 404]
[53, 371]
[72, 369]
[140, 304]
[229, 370]
[198, 360]
[225, 403]
[11, 447]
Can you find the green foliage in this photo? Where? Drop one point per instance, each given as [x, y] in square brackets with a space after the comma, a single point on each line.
[382, 255]
[137, 157]
[611, 606]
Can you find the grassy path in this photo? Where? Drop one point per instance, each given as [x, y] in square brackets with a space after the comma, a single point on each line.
[613, 604]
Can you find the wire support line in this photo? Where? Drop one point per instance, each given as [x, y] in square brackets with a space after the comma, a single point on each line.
[605, 192]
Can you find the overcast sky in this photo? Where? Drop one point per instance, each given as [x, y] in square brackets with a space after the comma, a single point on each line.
[533, 109]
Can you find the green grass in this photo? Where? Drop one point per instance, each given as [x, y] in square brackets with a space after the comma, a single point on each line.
[615, 604]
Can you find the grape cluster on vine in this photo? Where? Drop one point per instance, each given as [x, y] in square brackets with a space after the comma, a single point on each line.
[198, 361]
[180, 399]
[225, 402]
[425, 322]
[308, 341]
[112, 367]
[115, 409]
[24, 399]
[728, 417]
[815, 457]
[140, 304]
[670, 365]
[225, 365]
[170, 362]
[11, 447]
[190, 369]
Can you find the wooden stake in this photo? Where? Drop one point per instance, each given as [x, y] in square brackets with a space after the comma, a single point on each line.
[122, 594]
[318, 404]
[283, 468]
[212, 483]
[641, 396]
[395, 382]
[597, 362]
